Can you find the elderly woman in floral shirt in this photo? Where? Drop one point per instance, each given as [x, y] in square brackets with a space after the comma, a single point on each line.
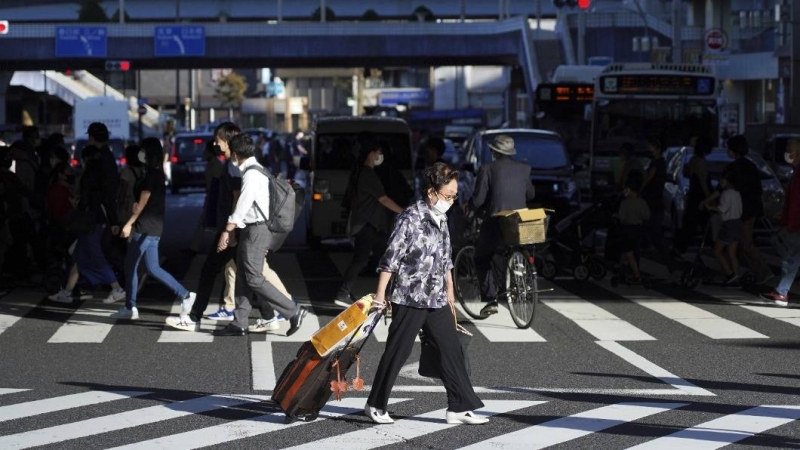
[419, 258]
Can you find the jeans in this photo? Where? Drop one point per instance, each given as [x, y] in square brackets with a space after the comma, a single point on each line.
[790, 263]
[144, 246]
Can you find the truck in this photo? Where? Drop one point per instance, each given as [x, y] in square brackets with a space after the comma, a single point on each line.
[108, 110]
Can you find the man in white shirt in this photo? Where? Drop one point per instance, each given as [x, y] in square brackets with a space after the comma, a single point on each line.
[250, 216]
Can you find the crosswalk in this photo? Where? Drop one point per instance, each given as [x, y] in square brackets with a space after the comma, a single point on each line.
[592, 308]
[117, 420]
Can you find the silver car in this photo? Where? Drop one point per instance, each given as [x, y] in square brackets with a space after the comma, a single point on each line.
[677, 185]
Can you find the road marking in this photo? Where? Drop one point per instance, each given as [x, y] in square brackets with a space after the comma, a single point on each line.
[263, 365]
[698, 319]
[11, 311]
[573, 427]
[87, 325]
[652, 369]
[411, 371]
[37, 407]
[121, 421]
[600, 323]
[242, 429]
[290, 270]
[4, 391]
[500, 328]
[409, 428]
[788, 315]
[726, 430]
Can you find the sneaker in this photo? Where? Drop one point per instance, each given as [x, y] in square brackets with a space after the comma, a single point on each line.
[264, 325]
[280, 318]
[377, 415]
[344, 300]
[80, 294]
[467, 417]
[222, 314]
[776, 297]
[116, 295]
[489, 309]
[62, 296]
[125, 313]
[183, 322]
[732, 280]
[187, 303]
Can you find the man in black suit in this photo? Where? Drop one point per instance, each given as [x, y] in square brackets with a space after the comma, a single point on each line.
[503, 184]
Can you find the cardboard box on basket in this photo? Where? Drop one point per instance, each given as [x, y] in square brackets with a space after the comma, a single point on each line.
[524, 226]
[342, 327]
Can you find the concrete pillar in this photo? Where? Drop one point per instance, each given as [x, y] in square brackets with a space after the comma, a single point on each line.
[5, 79]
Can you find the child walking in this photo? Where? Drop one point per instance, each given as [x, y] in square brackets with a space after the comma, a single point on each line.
[632, 214]
[730, 208]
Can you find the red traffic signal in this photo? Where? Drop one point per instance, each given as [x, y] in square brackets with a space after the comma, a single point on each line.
[584, 4]
[118, 66]
[3, 27]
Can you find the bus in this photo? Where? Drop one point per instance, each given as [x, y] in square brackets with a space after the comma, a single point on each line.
[563, 106]
[635, 101]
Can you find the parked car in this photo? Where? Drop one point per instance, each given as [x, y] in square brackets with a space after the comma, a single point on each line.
[116, 145]
[186, 159]
[677, 186]
[552, 173]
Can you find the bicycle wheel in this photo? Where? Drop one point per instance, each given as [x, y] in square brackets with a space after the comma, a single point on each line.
[466, 286]
[521, 288]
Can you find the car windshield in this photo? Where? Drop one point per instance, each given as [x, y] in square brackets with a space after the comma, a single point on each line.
[540, 151]
[718, 160]
[191, 146]
[339, 151]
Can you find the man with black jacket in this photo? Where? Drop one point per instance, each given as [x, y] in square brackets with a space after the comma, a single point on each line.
[501, 185]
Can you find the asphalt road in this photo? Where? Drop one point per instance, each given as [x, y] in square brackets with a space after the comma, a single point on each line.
[601, 367]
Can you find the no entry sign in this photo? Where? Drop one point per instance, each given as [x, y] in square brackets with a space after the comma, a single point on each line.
[716, 40]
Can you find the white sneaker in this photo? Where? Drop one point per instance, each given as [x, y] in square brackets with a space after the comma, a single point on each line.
[262, 326]
[116, 295]
[377, 415]
[125, 313]
[183, 322]
[467, 417]
[62, 296]
[187, 303]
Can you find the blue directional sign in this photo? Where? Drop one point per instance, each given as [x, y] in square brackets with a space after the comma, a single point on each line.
[175, 41]
[412, 97]
[81, 42]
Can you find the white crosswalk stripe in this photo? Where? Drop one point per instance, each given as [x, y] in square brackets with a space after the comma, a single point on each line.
[13, 308]
[600, 323]
[91, 323]
[419, 428]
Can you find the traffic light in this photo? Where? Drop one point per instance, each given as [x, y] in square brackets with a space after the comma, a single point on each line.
[118, 66]
[584, 4]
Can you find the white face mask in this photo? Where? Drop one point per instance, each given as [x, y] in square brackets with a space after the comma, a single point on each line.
[378, 160]
[142, 157]
[441, 207]
[788, 158]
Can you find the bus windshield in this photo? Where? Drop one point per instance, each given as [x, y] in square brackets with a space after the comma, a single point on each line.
[563, 109]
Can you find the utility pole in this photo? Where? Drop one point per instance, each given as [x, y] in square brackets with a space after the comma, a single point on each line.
[44, 103]
[322, 14]
[581, 37]
[121, 11]
[677, 39]
[538, 17]
[139, 98]
[177, 72]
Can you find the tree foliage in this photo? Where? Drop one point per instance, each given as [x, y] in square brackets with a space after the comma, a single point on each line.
[330, 16]
[230, 89]
[91, 11]
[115, 17]
[423, 14]
[370, 16]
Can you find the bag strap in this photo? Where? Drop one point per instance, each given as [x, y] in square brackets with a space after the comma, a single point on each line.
[262, 171]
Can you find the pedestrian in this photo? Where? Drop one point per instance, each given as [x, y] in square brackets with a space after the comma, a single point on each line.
[368, 204]
[790, 220]
[504, 184]
[420, 244]
[694, 216]
[207, 219]
[730, 232]
[250, 216]
[630, 165]
[145, 227]
[633, 215]
[655, 177]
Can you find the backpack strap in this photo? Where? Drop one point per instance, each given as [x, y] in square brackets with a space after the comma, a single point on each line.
[264, 172]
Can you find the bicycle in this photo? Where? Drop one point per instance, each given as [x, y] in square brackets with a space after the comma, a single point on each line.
[521, 280]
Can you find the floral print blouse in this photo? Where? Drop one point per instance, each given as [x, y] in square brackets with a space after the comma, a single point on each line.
[419, 255]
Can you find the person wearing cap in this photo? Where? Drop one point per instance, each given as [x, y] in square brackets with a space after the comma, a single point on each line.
[98, 138]
[501, 185]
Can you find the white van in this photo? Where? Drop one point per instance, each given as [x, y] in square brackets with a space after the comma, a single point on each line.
[334, 150]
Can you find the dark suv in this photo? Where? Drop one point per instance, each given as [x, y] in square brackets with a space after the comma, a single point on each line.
[552, 173]
[186, 158]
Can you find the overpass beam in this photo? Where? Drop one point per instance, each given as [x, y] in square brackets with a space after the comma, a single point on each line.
[5, 80]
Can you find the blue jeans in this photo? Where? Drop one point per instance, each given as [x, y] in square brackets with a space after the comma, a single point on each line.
[144, 246]
[790, 263]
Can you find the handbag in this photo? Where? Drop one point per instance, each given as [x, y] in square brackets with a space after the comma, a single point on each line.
[80, 221]
[430, 361]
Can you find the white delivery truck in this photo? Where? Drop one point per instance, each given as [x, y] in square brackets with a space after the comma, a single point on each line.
[110, 111]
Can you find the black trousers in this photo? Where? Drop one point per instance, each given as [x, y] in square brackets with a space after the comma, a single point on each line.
[439, 324]
[367, 241]
[487, 261]
[213, 265]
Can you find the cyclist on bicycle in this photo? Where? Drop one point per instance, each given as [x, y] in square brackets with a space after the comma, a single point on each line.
[501, 185]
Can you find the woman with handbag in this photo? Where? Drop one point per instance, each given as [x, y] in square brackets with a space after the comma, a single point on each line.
[419, 258]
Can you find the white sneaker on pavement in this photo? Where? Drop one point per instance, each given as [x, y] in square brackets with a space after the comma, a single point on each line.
[467, 417]
[62, 296]
[377, 415]
[125, 313]
[183, 322]
[262, 326]
[187, 303]
[116, 295]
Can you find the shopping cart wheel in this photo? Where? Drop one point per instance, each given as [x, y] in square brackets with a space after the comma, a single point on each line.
[580, 272]
[548, 270]
[690, 278]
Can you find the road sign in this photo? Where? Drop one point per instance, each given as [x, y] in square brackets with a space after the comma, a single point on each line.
[142, 110]
[172, 41]
[3, 27]
[411, 97]
[716, 40]
[81, 42]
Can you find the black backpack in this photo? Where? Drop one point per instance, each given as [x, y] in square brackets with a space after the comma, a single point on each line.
[283, 201]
